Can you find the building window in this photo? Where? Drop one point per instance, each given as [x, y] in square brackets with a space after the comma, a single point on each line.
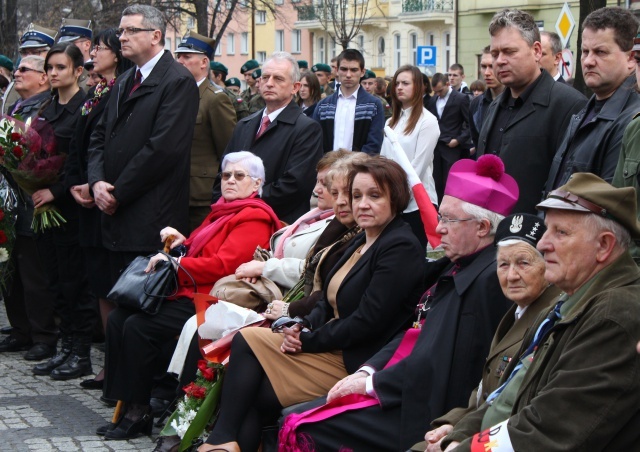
[447, 51]
[413, 47]
[261, 56]
[244, 43]
[261, 17]
[278, 2]
[380, 51]
[431, 39]
[231, 44]
[167, 43]
[397, 52]
[360, 41]
[296, 41]
[279, 40]
[218, 51]
[334, 48]
[321, 54]
[191, 23]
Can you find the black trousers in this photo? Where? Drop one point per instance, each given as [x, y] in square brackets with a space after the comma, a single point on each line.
[134, 348]
[64, 265]
[28, 300]
[443, 159]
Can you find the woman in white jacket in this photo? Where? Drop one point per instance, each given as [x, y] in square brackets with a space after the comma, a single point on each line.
[417, 131]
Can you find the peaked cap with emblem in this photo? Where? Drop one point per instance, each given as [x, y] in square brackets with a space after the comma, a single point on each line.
[37, 36]
[520, 226]
[74, 29]
[192, 42]
[249, 66]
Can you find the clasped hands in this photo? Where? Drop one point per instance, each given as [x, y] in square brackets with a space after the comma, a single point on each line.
[164, 234]
[103, 197]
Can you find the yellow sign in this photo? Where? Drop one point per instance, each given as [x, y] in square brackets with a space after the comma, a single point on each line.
[565, 24]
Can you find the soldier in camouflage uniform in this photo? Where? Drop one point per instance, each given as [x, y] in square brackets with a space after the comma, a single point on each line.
[323, 72]
[368, 82]
[256, 102]
[217, 76]
[252, 86]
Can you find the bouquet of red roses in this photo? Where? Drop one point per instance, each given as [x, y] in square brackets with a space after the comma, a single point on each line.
[28, 152]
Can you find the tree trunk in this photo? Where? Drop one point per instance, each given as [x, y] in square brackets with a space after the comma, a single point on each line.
[9, 25]
[586, 8]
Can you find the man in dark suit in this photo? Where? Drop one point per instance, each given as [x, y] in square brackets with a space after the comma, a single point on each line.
[526, 123]
[139, 152]
[288, 142]
[551, 54]
[451, 107]
[213, 129]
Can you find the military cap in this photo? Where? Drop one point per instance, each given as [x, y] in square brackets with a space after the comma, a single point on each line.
[233, 81]
[249, 66]
[37, 36]
[520, 226]
[5, 62]
[88, 65]
[218, 67]
[256, 74]
[586, 192]
[368, 74]
[321, 68]
[192, 42]
[302, 64]
[73, 29]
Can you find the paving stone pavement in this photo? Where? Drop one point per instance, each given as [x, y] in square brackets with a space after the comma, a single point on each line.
[41, 414]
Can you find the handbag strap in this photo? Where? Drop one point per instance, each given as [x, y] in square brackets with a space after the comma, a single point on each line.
[172, 260]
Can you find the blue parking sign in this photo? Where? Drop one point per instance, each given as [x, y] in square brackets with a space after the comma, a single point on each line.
[426, 56]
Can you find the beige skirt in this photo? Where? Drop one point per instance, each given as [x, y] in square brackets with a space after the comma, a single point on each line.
[295, 378]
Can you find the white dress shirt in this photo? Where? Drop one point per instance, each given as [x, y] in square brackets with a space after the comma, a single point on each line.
[146, 69]
[441, 102]
[344, 120]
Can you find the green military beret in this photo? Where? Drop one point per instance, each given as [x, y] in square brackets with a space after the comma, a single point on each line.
[218, 67]
[586, 192]
[368, 74]
[233, 81]
[256, 74]
[5, 62]
[302, 64]
[321, 68]
[249, 66]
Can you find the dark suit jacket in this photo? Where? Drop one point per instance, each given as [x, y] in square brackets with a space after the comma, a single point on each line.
[446, 361]
[290, 150]
[531, 139]
[142, 146]
[375, 301]
[453, 123]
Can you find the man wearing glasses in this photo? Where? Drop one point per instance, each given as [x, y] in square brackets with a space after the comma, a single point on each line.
[139, 152]
[35, 41]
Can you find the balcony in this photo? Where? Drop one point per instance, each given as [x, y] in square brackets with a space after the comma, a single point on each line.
[306, 12]
[414, 11]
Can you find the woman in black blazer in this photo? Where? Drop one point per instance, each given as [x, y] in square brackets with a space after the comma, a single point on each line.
[369, 296]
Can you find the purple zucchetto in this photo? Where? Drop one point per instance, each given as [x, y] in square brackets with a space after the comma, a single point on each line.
[483, 183]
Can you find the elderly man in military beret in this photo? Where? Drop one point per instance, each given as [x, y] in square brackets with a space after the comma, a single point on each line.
[576, 385]
[212, 132]
[323, 72]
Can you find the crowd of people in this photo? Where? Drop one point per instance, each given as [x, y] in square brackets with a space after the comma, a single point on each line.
[333, 182]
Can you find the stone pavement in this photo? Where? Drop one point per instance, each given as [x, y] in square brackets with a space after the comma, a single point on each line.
[41, 414]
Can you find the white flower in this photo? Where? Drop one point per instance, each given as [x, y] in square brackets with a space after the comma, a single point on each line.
[180, 427]
[6, 127]
[4, 255]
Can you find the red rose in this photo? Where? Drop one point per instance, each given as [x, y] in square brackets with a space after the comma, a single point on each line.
[3, 237]
[17, 151]
[199, 392]
[1, 151]
[209, 373]
[1, 214]
[202, 365]
[15, 136]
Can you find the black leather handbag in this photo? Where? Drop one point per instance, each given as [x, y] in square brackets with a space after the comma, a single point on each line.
[140, 291]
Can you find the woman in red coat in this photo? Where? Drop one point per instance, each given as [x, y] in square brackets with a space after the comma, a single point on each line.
[228, 236]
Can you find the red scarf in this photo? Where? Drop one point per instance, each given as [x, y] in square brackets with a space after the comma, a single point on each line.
[221, 212]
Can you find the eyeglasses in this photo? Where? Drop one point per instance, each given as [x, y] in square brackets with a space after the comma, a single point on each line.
[23, 69]
[445, 220]
[99, 48]
[131, 31]
[237, 175]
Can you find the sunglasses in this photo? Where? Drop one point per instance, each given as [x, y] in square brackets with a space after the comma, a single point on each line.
[237, 175]
[23, 69]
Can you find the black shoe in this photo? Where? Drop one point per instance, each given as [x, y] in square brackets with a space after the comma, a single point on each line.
[6, 330]
[128, 429]
[74, 367]
[108, 402]
[159, 406]
[39, 352]
[92, 383]
[11, 344]
[103, 429]
[57, 361]
[167, 444]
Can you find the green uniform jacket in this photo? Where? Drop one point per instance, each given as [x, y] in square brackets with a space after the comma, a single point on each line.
[254, 102]
[214, 127]
[582, 390]
[628, 169]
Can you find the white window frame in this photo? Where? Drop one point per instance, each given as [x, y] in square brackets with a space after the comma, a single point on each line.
[413, 47]
[167, 44]
[380, 50]
[261, 17]
[321, 49]
[296, 41]
[231, 44]
[446, 39]
[244, 43]
[218, 51]
[261, 57]
[279, 41]
[397, 51]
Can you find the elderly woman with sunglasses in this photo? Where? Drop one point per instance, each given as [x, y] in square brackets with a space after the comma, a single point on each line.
[239, 221]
